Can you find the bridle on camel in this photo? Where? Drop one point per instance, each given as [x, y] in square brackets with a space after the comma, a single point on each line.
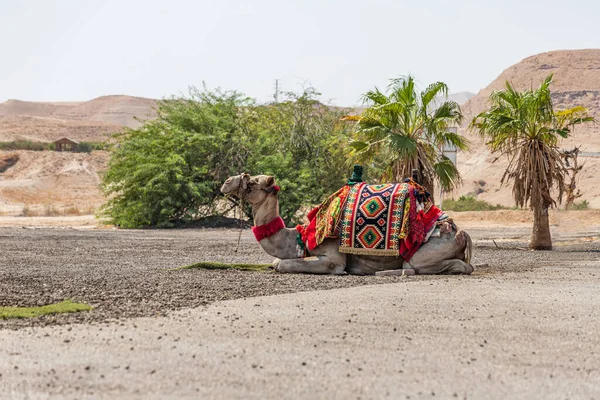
[241, 193]
[248, 189]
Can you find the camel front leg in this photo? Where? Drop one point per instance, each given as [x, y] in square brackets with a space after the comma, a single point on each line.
[310, 265]
[450, 267]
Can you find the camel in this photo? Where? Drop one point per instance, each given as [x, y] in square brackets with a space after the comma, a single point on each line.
[450, 253]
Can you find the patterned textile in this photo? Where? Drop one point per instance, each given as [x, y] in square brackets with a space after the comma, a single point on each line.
[382, 220]
[372, 223]
[324, 219]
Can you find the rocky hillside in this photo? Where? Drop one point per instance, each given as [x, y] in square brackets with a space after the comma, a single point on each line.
[92, 120]
[576, 82]
[47, 182]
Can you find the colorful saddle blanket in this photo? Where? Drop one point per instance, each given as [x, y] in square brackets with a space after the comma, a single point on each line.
[380, 220]
[372, 221]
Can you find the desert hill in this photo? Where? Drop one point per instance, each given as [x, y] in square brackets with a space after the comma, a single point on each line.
[576, 81]
[46, 182]
[92, 120]
[49, 183]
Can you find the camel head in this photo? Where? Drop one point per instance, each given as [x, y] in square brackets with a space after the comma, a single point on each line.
[253, 189]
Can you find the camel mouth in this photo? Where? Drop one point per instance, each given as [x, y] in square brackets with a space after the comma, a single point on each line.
[227, 191]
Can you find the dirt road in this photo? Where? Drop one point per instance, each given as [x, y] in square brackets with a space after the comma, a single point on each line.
[526, 327]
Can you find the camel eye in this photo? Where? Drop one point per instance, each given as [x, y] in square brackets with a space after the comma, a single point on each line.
[228, 180]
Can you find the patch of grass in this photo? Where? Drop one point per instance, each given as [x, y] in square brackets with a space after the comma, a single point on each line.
[218, 265]
[582, 205]
[470, 203]
[66, 306]
[24, 145]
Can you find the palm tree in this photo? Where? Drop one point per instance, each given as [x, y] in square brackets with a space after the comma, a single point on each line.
[403, 130]
[525, 127]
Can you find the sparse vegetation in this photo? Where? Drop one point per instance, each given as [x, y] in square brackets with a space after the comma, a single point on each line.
[82, 147]
[582, 205]
[24, 145]
[28, 212]
[50, 210]
[66, 306]
[470, 203]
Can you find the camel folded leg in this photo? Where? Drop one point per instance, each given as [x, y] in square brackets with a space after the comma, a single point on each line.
[453, 266]
[310, 265]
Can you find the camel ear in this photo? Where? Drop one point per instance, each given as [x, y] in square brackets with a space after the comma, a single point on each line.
[270, 181]
[245, 179]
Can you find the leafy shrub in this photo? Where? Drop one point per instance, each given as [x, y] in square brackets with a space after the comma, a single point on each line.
[582, 205]
[23, 145]
[469, 203]
[170, 169]
[84, 147]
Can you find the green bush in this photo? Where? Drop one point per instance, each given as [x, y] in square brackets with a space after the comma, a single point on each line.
[582, 205]
[469, 203]
[84, 147]
[23, 145]
[170, 169]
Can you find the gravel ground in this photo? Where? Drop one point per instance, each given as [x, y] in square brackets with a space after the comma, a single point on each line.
[128, 273]
[525, 327]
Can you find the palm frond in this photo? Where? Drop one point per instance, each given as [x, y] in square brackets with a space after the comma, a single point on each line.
[432, 91]
[401, 132]
[448, 174]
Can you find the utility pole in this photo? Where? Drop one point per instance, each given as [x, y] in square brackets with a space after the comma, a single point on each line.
[276, 91]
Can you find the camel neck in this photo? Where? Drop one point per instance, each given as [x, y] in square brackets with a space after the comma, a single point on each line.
[282, 244]
[266, 211]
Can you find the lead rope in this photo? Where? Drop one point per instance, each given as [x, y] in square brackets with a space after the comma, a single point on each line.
[241, 212]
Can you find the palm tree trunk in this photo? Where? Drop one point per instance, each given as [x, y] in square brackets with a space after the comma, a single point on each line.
[540, 237]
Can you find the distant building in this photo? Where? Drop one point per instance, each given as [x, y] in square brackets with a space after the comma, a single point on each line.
[66, 144]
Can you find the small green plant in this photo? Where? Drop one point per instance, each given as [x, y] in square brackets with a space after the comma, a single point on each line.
[469, 203]
[582, 205]
[66, 306]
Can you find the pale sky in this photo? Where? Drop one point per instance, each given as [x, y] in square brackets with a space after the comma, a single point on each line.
[73, 50]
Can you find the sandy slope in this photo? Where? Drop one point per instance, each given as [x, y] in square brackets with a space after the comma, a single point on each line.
[92, 120]
[44, 181]
[49, 180]
[576, 82]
